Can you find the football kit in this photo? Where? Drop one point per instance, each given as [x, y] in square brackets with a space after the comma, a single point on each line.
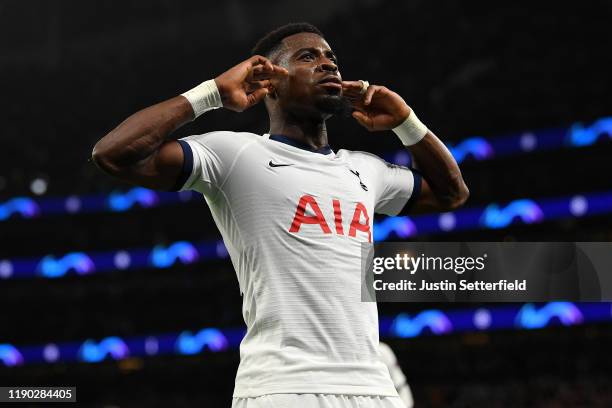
[293, 220]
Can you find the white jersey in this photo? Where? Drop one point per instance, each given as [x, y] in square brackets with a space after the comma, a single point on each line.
[293, 221]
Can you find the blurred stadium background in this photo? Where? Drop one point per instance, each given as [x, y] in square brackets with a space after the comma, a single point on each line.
[128, 294]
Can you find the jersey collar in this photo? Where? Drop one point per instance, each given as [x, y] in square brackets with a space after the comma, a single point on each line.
[287, 140]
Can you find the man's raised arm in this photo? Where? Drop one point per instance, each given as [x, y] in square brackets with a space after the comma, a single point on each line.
[139, 150]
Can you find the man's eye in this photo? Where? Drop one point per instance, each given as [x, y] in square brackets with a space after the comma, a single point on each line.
[307, 56]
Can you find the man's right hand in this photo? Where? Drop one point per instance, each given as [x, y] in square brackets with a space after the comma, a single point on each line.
[247, 83]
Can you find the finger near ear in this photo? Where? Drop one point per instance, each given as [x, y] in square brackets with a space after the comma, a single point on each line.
[256, 97]
[258, 60]
[269, 76]
[280, 70]
[260, 84]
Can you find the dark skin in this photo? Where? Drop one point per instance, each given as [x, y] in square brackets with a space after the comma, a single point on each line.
[139, 150]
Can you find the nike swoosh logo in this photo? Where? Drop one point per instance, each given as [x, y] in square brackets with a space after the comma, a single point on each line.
[272, 164]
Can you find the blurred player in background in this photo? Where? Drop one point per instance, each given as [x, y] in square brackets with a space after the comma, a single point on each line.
[293, 213]
[397, 375]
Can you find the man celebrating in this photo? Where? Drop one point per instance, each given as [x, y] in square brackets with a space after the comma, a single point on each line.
[292, 212]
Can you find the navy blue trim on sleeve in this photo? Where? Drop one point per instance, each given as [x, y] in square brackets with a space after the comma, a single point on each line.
[416, 191]
[187, 165]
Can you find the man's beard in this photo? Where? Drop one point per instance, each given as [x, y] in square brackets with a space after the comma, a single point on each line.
[334, 105]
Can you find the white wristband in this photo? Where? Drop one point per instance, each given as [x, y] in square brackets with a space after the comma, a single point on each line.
[411, 131]
[204, 97]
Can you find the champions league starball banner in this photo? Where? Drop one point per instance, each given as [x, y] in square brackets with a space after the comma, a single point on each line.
[486, 271]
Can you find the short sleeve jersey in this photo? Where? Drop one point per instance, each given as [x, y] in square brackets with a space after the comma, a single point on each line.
[293, 220]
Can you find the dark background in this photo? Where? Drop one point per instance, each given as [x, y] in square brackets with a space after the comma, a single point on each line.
[71, 70]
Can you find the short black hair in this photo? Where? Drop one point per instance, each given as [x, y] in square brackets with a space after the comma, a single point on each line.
[272, 41]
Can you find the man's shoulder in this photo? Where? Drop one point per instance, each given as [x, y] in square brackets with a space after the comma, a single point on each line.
[369, 159]
[223, 136]
[361, 156]
[222, 140]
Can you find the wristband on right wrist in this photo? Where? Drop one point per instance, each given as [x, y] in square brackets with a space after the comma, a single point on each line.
[204, 97]
[411, 130]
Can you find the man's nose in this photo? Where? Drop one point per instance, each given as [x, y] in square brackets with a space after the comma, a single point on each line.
[329, 66]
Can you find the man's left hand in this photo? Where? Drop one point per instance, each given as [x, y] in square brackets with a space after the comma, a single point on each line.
[378, 108]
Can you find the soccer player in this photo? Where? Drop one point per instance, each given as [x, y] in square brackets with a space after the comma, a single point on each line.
[293, 213]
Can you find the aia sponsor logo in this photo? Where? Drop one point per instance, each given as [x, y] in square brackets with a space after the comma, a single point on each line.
[360, 221]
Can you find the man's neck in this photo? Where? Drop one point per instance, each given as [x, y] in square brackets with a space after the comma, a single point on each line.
[309, 132]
